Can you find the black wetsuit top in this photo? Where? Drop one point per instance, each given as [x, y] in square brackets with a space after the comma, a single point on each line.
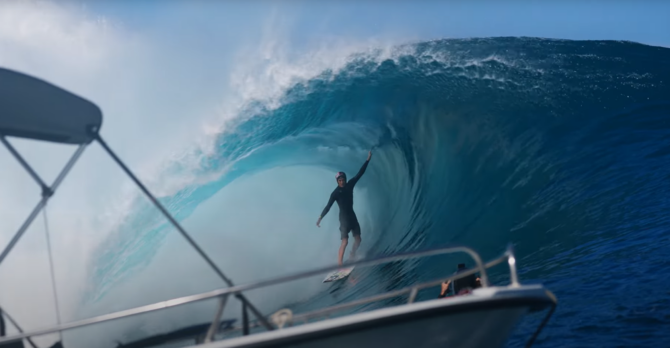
[345, 198]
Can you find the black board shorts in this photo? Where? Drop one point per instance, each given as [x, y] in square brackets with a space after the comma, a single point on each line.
[349, 224]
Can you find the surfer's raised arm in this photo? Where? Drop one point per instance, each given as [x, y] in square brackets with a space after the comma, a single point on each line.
[326, 209]
[360, 173]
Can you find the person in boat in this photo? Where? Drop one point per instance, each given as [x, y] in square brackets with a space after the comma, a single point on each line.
[461, 286]
[344, 196]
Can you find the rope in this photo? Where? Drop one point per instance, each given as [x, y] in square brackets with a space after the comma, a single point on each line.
[51, 265]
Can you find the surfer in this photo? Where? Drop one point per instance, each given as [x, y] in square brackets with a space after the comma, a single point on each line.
[344, 195]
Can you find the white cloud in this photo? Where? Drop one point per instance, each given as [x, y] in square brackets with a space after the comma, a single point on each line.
[45, 38]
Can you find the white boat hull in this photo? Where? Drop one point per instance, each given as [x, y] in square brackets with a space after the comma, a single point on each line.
[485, 318]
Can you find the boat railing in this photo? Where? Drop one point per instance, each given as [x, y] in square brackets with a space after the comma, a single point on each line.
[412, 291]
[283, 317]
[286, 316]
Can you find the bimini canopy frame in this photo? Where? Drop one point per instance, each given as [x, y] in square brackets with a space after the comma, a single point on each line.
[34, 109]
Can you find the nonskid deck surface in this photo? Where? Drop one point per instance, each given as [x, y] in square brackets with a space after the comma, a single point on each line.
[484, 318]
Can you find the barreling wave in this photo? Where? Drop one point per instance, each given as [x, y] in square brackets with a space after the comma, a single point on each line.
[560, 147]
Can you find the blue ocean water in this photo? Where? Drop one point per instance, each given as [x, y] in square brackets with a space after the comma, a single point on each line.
[559, 147]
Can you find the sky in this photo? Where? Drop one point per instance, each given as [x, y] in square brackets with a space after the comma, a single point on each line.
[169, 74]
[641, 21]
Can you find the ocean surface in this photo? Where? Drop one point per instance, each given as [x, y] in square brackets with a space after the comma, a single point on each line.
[559, 147]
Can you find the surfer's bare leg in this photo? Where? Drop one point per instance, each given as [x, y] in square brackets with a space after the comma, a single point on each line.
[357, 243]
[343, 247]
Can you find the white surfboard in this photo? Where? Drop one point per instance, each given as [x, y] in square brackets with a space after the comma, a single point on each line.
[339, 274]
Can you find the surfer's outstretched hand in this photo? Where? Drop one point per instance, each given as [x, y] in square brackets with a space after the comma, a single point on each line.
[369, 155]
[318, 223]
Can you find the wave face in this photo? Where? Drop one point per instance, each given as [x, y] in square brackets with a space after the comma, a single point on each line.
[560, 147]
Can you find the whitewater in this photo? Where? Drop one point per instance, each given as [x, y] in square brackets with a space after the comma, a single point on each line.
[557, 146]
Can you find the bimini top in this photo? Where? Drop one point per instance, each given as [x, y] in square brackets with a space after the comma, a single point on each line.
[35, 109]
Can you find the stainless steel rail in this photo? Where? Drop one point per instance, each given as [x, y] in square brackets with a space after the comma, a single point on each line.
[16, 325]
[181, 230]
[236, 290]
[412, 290]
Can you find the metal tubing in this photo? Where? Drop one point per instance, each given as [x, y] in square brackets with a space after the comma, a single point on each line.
[16, 325]
[23, 163]
[245, 320]
[412, 295]
[41, 204]
[215, 323]
[67, 167]
[23, 228]
[256, 312]
[511, 261]
[236, 289]
[391, 294]
[180, 229]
